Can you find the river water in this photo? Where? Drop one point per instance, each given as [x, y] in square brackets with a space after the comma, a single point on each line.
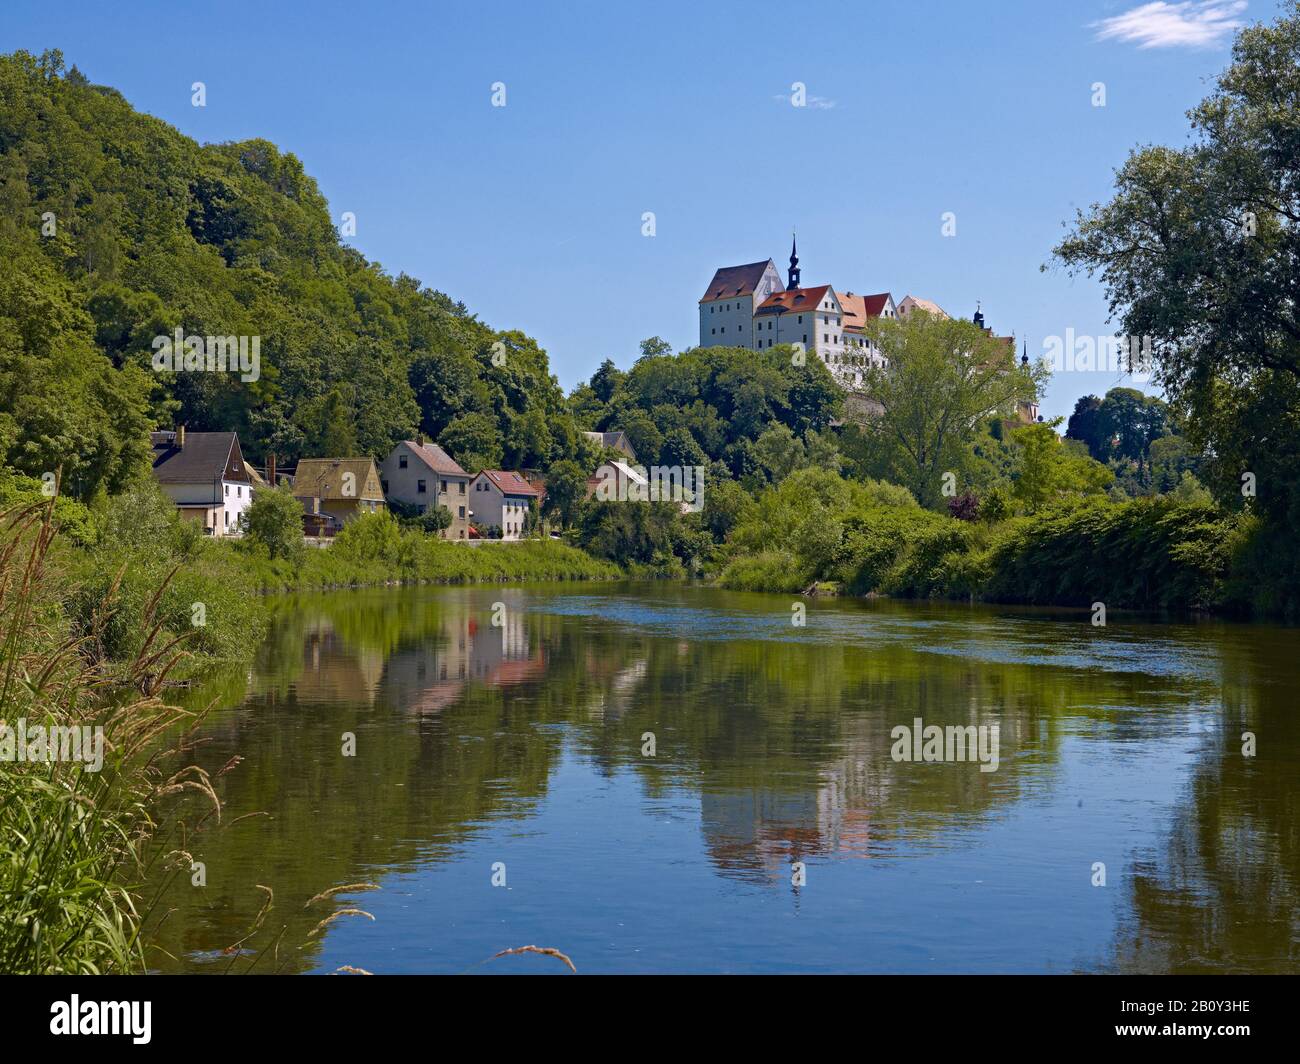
[666, 778]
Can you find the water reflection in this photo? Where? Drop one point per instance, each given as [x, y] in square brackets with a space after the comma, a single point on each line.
[514, 721]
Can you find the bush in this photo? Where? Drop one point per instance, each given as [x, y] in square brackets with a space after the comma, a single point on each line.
[274, 523]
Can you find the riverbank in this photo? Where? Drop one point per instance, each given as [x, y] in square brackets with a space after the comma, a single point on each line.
[97, 620]
[1147, 554]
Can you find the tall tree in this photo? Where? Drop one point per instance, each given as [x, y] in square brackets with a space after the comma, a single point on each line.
[942, 379]
[1199, 251]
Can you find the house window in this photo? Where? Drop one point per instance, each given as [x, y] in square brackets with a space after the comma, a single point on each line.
[401, 461]
[227, 490]
[462, 487]
[443, 486]
[419, 487]
[462, 513]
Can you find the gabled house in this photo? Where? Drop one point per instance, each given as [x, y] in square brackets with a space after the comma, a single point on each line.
[614, 441]
[204, 474]
[501, 499]
[421, 474]
[337, 488]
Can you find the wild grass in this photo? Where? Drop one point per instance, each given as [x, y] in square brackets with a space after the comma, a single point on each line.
[375, 550]
[71, 839]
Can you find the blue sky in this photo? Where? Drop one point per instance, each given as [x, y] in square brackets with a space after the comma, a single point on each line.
[532, 213]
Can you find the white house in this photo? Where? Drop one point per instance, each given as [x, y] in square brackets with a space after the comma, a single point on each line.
[204, 474]
[500, 498]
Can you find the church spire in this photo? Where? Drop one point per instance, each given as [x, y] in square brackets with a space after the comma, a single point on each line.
[794, 263]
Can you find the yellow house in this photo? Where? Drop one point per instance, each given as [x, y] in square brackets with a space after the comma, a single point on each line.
[340, 487]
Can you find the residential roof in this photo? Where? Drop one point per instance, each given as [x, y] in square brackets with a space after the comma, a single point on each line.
[509, 483]
[617, 440]
[436, 458]
[794, 299]
[323, 478]
[735, 281]
[206, 457]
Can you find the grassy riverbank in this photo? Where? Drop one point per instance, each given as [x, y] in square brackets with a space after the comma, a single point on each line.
[863, 538]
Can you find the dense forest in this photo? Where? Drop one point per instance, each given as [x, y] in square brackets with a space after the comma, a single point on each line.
[115, 229]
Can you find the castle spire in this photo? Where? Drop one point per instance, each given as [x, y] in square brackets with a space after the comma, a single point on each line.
[794, 262]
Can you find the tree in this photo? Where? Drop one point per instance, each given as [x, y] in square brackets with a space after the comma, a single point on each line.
[435, 519]
[726, 504]
[1199, 251]
[1047, 469]
[942, 379]
[1085, 425]
[274, 522]
[566, 487]
[1129, 421]
[474, 441]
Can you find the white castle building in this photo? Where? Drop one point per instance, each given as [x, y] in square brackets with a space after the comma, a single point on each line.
[748, 306]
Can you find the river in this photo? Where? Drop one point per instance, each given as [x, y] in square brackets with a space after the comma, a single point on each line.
[666, 778]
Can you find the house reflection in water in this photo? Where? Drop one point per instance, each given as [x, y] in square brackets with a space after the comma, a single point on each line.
[463, 649]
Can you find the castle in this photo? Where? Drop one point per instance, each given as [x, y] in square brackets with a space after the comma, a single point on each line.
[748, 306]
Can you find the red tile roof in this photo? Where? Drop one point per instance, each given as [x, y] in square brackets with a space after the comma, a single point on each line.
[858, 310]
[735, 281]
[511, 483]
[876, 304]
[794, 299]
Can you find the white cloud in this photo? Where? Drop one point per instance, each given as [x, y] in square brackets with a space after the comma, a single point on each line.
[1189, 24]
[817, 103]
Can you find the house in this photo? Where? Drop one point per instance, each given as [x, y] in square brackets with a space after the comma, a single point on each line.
[613, 441]
[501, 499]
[204, 474]
[421, 474]
[337, 488]
[618, 482]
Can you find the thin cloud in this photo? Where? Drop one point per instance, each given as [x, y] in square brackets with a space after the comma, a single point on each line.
[1189, 24]
[817, 103]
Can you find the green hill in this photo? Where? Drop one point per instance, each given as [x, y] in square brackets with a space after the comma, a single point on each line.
[116, 228]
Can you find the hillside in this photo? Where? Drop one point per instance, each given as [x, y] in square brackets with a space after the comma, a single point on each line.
[116, 228]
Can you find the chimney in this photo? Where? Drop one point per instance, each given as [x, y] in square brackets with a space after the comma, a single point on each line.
[270, 469]
[180, 438]
[419, 439]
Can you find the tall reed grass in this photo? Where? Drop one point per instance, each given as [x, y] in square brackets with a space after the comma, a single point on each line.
[72, 840]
